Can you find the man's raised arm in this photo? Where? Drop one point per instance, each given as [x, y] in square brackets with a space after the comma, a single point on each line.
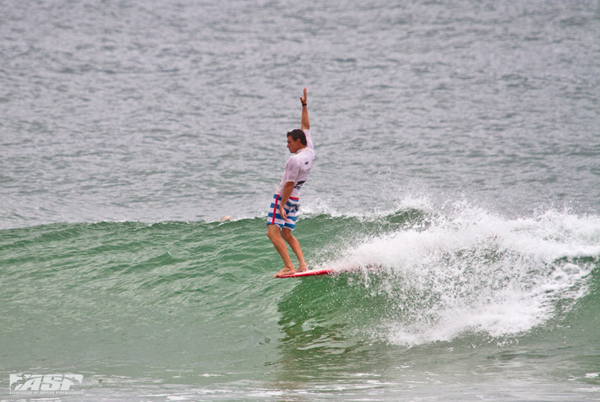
[305, 124]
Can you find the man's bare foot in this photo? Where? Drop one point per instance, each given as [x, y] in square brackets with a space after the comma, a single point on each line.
[285, 271]
[302, 268]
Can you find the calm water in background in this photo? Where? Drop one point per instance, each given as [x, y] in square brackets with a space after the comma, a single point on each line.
[458, 148]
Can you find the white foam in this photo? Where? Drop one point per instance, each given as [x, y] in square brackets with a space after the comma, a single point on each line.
[478, 272]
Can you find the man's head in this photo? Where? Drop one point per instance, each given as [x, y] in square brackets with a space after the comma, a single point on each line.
[296, 140]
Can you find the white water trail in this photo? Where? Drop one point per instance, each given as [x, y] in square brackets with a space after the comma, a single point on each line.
[473, 271]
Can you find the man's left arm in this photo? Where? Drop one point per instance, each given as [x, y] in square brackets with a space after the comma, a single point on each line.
[304, 122]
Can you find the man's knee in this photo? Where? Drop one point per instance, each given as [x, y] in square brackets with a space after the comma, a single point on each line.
[287, 234]
[272, 231]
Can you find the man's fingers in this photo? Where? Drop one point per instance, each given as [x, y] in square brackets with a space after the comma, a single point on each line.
[303, 98]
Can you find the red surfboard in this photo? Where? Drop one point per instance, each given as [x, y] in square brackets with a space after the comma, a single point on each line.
[324, 271]
[332, 271]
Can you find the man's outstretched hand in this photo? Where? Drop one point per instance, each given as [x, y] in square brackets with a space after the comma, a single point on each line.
[303, 98]
[304, 123]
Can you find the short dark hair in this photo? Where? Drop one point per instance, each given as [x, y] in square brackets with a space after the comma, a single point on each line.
[297, 134]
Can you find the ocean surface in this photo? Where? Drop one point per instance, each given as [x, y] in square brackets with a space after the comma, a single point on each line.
[457, 174]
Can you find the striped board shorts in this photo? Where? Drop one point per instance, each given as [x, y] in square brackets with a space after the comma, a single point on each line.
[290, 208]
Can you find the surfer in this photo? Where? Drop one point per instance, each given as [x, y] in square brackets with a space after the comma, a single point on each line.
[282, 212]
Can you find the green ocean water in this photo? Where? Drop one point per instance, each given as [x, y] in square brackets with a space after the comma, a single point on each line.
[459, 304]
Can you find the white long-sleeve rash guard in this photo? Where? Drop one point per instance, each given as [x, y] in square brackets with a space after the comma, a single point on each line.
[297, 167]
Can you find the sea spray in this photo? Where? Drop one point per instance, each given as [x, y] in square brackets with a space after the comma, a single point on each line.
[475, 272]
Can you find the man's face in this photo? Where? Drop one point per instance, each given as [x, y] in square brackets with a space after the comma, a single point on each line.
[293, 146]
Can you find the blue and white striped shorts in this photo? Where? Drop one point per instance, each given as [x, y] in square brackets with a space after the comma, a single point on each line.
[290, 208]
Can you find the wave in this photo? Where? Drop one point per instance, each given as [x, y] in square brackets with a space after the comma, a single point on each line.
[438, 277]
[422, 275]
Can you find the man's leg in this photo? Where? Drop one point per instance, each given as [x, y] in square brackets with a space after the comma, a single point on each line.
[273, 231]
[295, 245]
